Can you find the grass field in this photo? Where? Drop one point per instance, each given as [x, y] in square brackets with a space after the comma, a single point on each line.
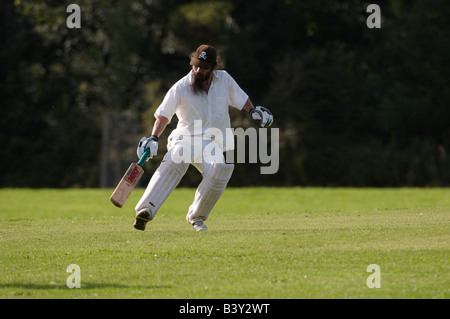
[264, 243]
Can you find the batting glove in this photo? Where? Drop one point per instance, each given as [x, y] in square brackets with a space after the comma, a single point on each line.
[151, 143]
[263, 115]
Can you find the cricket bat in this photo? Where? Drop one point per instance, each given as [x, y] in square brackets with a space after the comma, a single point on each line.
[129, 181]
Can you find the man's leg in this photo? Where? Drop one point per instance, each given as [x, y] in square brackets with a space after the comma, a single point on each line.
[167, 176]
[212, 186]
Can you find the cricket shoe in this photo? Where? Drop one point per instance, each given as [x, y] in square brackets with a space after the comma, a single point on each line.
[199, 225]
[142, 218]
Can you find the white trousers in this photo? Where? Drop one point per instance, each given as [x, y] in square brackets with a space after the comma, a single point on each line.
[211, 164]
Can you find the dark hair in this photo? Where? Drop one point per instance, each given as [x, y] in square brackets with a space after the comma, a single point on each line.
[219, 62]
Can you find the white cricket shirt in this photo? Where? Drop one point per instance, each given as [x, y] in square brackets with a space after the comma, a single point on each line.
[211, 108]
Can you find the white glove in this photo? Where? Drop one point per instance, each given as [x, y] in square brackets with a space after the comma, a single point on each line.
[263, 115]
[151, 143]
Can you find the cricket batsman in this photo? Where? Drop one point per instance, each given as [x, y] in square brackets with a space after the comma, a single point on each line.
[200, 101]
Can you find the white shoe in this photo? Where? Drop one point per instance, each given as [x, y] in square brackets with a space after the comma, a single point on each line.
[199, 225]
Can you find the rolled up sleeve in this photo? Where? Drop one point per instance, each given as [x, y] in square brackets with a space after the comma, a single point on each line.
[236, 95]
[169, 105]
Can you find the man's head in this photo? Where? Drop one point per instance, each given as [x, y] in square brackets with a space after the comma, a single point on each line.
[204, 57]
[204, 61]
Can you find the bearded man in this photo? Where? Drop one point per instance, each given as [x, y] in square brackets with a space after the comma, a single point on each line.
[201, 101]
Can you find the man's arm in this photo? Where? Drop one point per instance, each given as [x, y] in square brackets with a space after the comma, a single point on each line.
[248, 105]
[160, 125]
[152, 142]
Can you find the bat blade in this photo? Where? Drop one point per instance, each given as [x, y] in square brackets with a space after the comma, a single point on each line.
[127, 184]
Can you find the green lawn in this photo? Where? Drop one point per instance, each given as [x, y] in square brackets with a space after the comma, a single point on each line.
[262, 243]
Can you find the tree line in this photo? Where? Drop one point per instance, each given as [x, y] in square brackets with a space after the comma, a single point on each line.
[355, 106]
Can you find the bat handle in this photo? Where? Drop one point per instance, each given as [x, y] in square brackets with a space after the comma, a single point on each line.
[144, 157]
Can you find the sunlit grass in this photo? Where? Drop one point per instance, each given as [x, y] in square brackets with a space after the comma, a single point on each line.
[261, 243]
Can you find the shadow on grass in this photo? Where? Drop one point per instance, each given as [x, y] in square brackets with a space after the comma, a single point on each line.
[36, 286]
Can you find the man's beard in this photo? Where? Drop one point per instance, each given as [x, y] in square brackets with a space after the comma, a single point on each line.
[198, 81]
